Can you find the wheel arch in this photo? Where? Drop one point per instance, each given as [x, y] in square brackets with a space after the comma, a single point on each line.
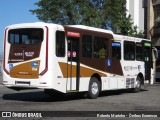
[96, 75]
[140, 75]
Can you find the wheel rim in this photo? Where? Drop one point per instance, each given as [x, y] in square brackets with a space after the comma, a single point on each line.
[94, 88]
[138, 84]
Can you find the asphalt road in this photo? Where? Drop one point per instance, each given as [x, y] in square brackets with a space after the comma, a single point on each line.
[36, 100]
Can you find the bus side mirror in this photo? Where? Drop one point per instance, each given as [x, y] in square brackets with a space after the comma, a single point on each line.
[155, 52]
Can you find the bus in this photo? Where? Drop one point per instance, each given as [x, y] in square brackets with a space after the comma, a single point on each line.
[74, 58]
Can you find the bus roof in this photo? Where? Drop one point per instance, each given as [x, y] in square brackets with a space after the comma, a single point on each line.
[115, 36]
[90, 28]
[123, 37]
[20, 25]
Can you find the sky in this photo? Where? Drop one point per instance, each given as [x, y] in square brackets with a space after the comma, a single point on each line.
[13, 12]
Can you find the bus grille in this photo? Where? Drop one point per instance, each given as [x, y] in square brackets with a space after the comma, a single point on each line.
[130, 82]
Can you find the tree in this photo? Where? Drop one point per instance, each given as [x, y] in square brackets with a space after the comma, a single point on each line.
[106, 14]
[70, 12]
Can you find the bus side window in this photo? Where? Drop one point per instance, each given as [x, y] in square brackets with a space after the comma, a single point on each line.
[139, 52]
[87, 46]
[129, 50]
[116, 50]
[100, 47]
[60, 43]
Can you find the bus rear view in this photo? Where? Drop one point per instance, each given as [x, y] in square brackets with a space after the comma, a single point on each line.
[25, 56]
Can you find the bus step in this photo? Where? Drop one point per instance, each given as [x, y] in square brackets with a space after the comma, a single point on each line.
[72, 90]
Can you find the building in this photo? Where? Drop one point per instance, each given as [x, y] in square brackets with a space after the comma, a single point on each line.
[154, 18]
[146, 16]
[136, 10]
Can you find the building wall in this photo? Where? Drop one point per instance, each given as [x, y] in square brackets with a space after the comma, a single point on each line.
[154, 20]
[136, 10]
[141, 15]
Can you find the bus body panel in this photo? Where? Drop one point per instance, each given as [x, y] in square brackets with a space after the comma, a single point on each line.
[132, 69]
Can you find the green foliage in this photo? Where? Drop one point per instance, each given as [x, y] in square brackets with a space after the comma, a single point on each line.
[70, 12]
[135, 33]
[107, 14]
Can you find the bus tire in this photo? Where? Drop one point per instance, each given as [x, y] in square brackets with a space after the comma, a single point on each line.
[94, 88]
[138, 85]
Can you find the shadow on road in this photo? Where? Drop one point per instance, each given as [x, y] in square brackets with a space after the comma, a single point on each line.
[40, 96]
[117, 92]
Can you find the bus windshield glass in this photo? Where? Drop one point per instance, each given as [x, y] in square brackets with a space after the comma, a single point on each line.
[26, 36]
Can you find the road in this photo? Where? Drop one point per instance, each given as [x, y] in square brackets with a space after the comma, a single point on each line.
[36, 100]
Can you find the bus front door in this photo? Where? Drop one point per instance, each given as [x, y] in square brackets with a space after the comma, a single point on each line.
[73, 64]
[147, 60]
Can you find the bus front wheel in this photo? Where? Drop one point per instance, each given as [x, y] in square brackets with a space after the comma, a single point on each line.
[94, 88]
[138, 85]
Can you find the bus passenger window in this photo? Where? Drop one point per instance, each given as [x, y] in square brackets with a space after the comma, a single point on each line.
[139, 52]
[129, 50]
[116, 50]
[87, 46]
[100, 47]
[60, 44]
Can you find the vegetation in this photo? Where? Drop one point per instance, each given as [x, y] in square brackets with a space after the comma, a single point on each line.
[106, 14]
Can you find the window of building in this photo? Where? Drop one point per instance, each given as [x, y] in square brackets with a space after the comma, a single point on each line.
[100, 47]
[116, 50]
[60, 44]
[139, 55]
[87, 46]
[129, 50]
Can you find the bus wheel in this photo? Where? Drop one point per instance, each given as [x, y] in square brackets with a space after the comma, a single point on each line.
[137, 85]
[94, 88]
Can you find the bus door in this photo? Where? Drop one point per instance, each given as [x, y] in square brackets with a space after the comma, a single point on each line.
[147, 60]
[73, 63]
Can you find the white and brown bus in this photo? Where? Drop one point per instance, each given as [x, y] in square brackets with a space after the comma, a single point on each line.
[74, 58]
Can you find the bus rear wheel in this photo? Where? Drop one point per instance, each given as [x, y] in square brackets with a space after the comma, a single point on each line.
[94, 88]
